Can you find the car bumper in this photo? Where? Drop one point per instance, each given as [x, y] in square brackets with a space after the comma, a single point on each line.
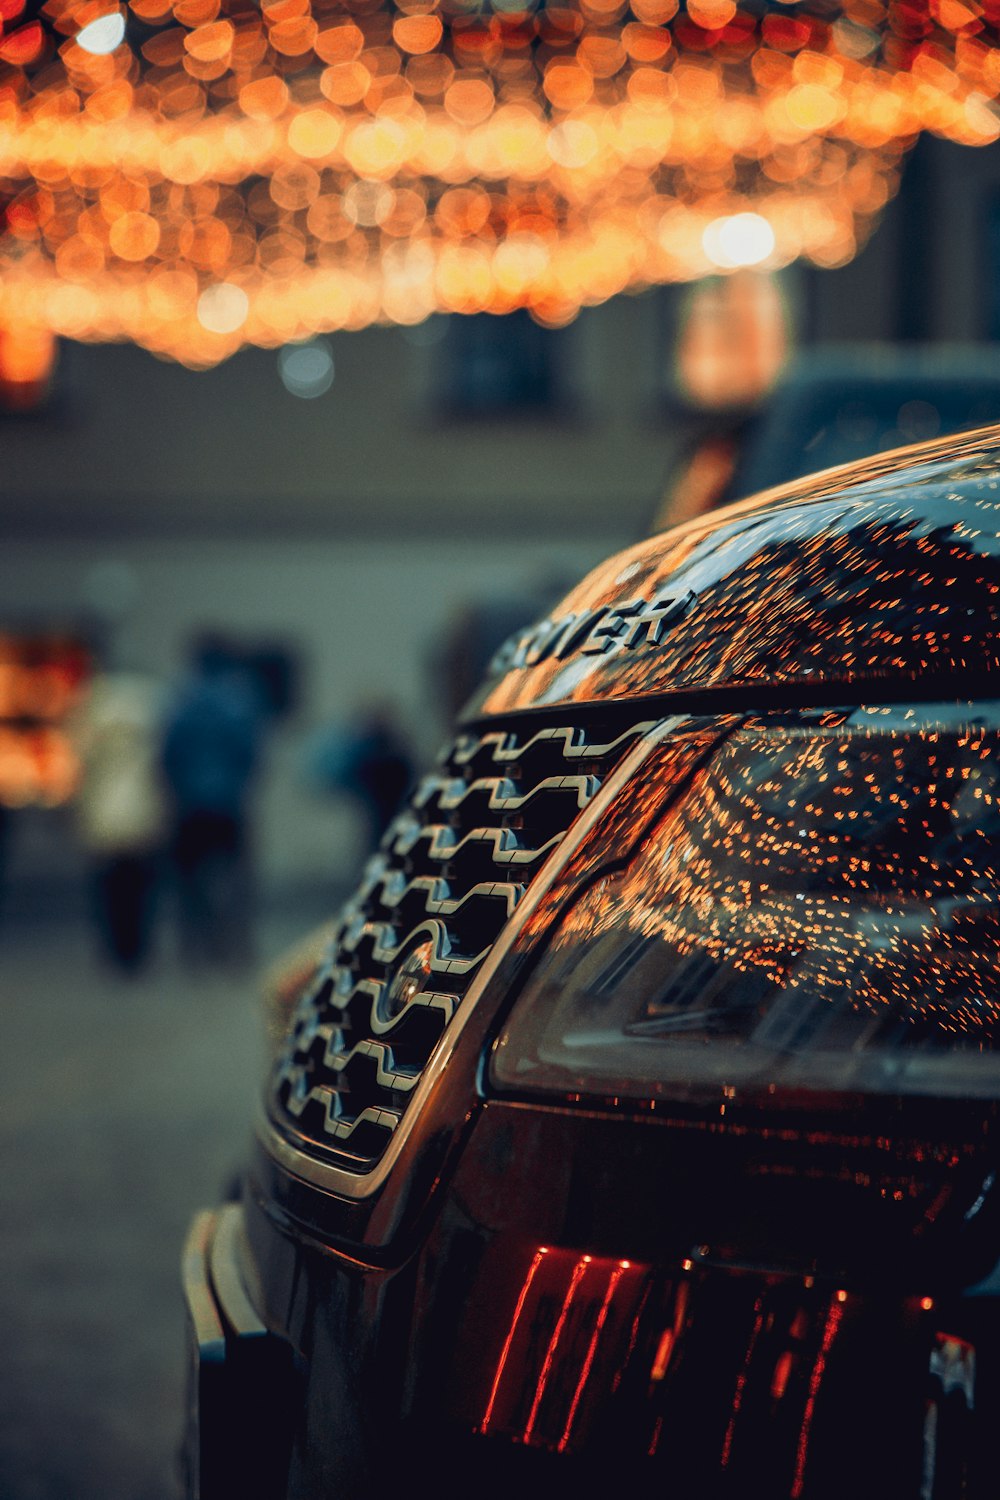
[241, 1378]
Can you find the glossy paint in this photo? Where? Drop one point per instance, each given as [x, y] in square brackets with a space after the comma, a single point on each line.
[875, 576]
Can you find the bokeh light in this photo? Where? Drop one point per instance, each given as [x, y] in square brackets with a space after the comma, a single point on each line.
[739, 240]
[339, 163]
[307, 369]
[223, 308]
[103, 35]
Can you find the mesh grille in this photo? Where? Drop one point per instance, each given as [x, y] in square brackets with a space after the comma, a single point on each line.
[433, 900]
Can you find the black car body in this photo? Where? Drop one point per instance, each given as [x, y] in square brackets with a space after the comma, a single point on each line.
[638, 1126]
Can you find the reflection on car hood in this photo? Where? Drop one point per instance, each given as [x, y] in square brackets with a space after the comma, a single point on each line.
[886, 570]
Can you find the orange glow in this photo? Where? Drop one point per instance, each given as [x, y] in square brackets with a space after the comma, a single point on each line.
[150, 10]
[339, 44]
[22, 47]
[211, 42]
[27, 360]
[668, 1339]
[264, 96]
[579, 1271]
[417, 33]
[712, 15]
[733, 340]
[643, 126]
[927, 1303]
[41, 682]
[831, 1327]
[782, 1370]
[195, 12]
[314, 133]
[664, 1349]
[470, 101]
[540, 1253]
[741, 1380]
[588, 1359]
[134, 236]
[294, 37]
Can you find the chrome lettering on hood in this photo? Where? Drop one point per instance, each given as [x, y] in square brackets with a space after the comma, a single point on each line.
[593, 632]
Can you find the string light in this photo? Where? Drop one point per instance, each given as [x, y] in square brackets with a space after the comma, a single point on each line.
[338, 163]
[103, 35]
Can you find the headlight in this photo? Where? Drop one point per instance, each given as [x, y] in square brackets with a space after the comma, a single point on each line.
[816, 910]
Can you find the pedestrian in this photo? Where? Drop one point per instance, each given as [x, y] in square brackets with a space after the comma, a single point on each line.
[368, 760]
[121, 810]
[210, 756]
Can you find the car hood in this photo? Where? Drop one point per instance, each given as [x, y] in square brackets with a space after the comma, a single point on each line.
[883, 573]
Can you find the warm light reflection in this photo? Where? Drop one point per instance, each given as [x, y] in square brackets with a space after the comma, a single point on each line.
[573, 1285]
[309, 153]
[741, 1381]
[542, 1398]
[817, 909]
[508, 1341]
[587, 1364]
[831, 1328]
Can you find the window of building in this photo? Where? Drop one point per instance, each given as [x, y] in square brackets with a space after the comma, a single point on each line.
[502, 366]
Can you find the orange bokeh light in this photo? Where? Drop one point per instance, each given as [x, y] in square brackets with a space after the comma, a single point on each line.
[377, 163]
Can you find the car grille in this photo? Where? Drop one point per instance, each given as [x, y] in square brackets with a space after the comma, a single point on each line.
[447, 877]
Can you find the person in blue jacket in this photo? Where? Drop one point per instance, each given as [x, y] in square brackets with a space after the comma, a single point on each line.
[210, 755]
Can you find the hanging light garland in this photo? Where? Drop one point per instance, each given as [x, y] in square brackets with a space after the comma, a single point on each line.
[194, 175]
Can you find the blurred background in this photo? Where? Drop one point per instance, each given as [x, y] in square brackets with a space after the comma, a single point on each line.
[316, 548]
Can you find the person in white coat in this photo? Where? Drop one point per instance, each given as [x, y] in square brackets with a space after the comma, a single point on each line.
[121, 810]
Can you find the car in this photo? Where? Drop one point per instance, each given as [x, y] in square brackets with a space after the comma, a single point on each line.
[635, 1126]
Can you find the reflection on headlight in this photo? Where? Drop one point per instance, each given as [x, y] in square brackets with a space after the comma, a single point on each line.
[817, 909]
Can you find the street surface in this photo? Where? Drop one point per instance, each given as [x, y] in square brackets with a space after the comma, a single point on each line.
[126, 1106]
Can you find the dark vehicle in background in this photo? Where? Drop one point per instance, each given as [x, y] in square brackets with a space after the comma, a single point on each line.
[637, 1129]
[833, 405]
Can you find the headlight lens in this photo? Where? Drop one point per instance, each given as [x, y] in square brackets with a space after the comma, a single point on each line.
[816, 910]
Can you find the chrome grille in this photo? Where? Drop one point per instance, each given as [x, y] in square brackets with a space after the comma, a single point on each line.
[432, 902]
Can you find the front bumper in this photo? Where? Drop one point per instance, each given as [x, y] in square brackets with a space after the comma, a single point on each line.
[242, 1380]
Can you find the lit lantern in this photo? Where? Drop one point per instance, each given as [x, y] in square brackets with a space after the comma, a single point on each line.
[733, 341]
[198, 174]
[27, 362]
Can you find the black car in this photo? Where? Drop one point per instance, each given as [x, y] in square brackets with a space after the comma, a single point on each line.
[637, 1129]
[833, 404]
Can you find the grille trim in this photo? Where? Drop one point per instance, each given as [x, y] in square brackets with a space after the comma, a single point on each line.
[421, 927]
[295, 1156]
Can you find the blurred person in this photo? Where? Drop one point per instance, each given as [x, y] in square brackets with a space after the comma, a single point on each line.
[121, 810]
[368, 760]
[209, 757]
